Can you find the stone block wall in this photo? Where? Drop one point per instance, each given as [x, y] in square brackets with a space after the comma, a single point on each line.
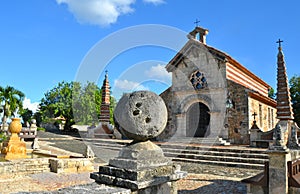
[71, 165]
[40, 165]
[266, 115]
[237, 116]
[24, 167]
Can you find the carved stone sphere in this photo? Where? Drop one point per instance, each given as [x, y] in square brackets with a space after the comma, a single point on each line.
[141, 115]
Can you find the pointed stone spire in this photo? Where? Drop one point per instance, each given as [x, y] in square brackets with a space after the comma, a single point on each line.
[104, 108]
[284, 105]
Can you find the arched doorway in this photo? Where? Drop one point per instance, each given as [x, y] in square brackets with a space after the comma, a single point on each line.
[198, 119]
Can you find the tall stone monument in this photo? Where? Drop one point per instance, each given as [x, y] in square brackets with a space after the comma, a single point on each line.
[104, 128]
[285, 133]
[141, 166]
[104, 108]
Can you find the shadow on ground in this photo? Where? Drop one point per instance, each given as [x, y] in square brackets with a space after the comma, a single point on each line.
[215, 186]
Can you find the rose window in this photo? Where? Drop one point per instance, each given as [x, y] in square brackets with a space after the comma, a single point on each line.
[198, 80]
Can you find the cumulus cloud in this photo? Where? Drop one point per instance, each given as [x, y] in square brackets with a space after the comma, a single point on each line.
[98, 12]
[31, 106]
[129, 85]
[155, 2]
[159, 72]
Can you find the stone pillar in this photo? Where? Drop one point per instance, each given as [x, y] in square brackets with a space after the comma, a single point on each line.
[181, 125]
[278, 171]
[217, 121]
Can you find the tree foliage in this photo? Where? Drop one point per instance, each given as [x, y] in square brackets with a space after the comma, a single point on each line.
[271, 93]
[11, 100]
[73, 102]
[295, 95]
[26, 115]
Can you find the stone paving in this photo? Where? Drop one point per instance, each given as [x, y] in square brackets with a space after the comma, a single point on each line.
[81, 183]
[203, 179]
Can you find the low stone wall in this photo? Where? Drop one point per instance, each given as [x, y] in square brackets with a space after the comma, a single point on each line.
[71, 165]
[24, 166]
[40, 165]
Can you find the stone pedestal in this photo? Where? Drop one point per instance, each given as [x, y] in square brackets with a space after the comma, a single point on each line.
[142, 168]
[278, 171]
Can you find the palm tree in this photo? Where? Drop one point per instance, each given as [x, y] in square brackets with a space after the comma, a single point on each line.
[11, 100]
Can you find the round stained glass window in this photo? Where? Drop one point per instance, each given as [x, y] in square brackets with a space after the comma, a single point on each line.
[198, 80]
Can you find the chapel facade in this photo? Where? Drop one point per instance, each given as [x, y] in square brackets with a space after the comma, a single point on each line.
[213, 95]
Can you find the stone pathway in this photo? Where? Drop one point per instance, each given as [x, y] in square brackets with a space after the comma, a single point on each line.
[46, 183]
[42, 182]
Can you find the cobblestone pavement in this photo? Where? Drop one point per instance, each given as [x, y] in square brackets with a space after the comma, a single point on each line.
[203, 179]
[46, 183]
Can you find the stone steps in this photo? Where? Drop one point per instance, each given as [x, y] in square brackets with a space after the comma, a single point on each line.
[216, 153]
[235, 149]
[230, 156]
[216, 158]
[221, 163]
[201, 140]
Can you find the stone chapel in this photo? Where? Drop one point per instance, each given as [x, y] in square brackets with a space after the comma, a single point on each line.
[213, 95]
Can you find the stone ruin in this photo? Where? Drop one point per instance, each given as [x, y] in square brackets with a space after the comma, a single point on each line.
[141, 166]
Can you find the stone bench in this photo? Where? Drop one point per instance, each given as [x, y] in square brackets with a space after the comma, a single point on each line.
[27, 133]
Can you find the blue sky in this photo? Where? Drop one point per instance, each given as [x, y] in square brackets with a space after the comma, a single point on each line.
[45, 42]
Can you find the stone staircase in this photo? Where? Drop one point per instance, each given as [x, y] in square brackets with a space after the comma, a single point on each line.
[230, 156]
[201, 140]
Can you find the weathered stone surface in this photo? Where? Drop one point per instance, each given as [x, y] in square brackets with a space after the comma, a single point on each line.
[71, 165]
[24, 167]
[141, 175]
[278, 177]
[141, 115]
[144, 179]
[139, 156]
[141, 150]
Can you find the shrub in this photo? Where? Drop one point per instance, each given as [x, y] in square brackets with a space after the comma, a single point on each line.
[41, 129]
[3, 137]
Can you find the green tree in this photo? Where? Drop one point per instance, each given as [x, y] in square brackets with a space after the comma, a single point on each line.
[295, 95]
[73, 102]
[272, 94]
[58, 103]
[26, 115]
[38, 117]
[112, 107]
[86, 104]
[12, 101]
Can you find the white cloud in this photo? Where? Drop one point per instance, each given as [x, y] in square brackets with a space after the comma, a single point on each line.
[31, 106]
[159, 72]
[129, 85]
[98, 12]
[155, 2]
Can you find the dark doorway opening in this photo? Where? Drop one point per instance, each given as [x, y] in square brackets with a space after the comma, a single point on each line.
[198, 119]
